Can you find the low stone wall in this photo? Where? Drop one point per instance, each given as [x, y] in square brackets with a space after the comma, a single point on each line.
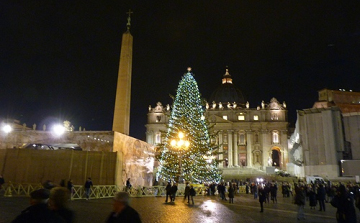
[38, 166]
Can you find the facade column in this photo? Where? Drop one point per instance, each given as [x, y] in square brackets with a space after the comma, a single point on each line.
[236, 150]
[230, 148]
[221, 150]
[284, 149]
[249, 139]
[150, 137]
[265, 146]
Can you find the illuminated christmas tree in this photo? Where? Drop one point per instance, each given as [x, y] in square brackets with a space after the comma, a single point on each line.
[186, 153]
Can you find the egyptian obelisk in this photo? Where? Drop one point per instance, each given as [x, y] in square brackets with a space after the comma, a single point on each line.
[121, 121]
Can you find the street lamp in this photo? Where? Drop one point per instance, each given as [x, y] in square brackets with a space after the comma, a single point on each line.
[7, 128]
[181, 145]
[58, 129]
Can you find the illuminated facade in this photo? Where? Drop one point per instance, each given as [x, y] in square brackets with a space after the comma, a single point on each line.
[248, 138]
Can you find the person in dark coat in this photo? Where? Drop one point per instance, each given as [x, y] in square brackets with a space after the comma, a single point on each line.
[62, 183]
[58, 202]
[174, 189]
[221, 189]
[187, 192]
[267, 192]
[192, 194]
[87, 186]
[122, 212]
[38, 212]
[128, 184]
[345, 206]
[273, 192]
[247, 188]
[321, 194]
[70, 187]
[212, 186]
[168, 192]
[300, 198]
[262, 197]
[231, 194]
[255, 191]
[312, 198]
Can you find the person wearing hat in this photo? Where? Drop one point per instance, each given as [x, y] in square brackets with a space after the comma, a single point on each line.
[38, 210]
[122, 212]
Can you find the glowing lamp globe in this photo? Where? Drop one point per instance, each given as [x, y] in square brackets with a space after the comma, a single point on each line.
[58, 129]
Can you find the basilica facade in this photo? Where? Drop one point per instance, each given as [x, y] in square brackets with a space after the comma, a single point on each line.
[248, 138]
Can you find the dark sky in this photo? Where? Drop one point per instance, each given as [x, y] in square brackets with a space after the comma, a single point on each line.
[59, 59]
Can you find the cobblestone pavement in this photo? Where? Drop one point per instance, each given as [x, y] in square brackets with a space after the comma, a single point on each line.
[206, 209]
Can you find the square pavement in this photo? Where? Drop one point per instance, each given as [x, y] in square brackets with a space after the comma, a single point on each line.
[206, 209]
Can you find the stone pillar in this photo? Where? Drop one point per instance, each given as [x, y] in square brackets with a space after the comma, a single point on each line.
[265, 146]
[221, 156]
[150, 137]
[230, 148]
[249, 139]
[284, 149]
[236, 151]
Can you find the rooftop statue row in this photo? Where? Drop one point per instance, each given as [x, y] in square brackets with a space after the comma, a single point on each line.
[273, 105]
[66, 126]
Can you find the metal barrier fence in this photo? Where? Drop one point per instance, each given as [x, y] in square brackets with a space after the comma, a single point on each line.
[98, 191]
[16, 189]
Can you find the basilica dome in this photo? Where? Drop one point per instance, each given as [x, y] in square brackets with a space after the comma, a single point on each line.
[227, 92]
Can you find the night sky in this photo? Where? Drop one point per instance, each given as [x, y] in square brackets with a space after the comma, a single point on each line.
[59, 59]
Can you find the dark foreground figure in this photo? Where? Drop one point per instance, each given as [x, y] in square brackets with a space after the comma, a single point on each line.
[122, 212]
[38, 211]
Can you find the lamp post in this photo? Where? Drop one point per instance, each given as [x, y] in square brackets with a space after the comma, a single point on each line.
[181, 145]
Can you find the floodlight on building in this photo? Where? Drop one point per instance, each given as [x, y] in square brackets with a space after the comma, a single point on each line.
[7, 128]
[58, 129]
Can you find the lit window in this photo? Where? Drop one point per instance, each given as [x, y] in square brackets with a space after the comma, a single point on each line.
[275, 137]
[225, 117]
[256, 117]
[241, 117]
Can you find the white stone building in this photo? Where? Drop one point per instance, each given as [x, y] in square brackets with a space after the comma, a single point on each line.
[249, 138]
[326, 135]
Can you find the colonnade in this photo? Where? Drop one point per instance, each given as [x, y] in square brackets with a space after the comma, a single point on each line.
[254, 143]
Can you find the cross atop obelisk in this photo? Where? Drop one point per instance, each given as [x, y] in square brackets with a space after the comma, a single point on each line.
[129, 19]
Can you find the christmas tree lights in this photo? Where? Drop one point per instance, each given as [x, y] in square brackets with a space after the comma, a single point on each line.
[186, 153]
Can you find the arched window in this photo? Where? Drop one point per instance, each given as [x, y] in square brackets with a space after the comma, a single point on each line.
[275, 137]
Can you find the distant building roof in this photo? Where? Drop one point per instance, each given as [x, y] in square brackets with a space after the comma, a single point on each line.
[227, 92]
[347, 101]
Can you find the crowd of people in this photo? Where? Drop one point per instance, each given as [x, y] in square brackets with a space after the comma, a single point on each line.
[346, 198]
[50, 203]
[343, 197]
